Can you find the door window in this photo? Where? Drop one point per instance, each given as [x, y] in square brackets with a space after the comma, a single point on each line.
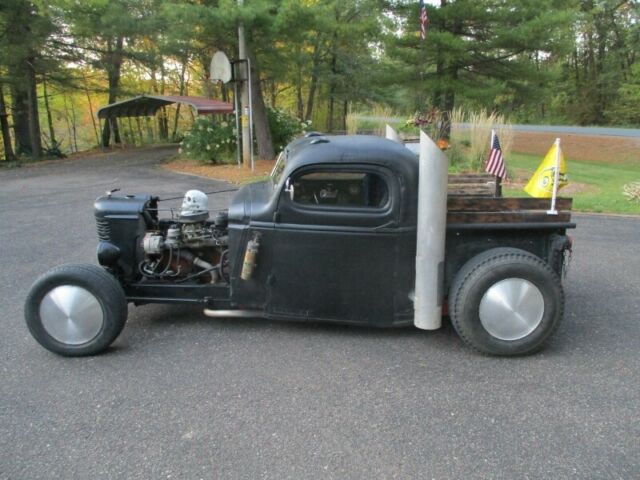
[351, 189]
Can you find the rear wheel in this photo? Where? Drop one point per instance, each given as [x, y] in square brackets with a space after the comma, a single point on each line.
[506, 301]
[76, 310]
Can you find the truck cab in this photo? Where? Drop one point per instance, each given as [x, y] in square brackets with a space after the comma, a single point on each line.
[337, 233]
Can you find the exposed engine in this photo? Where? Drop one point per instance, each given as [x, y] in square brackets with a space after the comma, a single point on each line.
[141, 241]
[189, 247]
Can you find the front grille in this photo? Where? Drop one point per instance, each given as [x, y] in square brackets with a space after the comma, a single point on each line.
[104, 229]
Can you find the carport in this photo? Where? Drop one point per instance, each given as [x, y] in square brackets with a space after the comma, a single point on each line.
[149, 105]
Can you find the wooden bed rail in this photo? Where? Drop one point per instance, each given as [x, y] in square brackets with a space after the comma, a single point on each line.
[476, 184]
[480, 209]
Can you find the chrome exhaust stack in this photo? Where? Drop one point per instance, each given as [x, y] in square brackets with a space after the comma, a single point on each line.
[431, 231]
[391, 134]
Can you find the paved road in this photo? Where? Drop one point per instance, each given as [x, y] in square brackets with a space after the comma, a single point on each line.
[565, 129]
[183, 396]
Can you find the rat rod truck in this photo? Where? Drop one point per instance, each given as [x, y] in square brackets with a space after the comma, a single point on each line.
[349, 229]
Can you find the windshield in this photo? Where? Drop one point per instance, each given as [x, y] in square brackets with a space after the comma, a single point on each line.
[278, 168]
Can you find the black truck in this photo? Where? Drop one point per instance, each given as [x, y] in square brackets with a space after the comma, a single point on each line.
[349, 229]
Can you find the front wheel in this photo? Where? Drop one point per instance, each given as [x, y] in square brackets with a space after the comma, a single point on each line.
[76, 310]
[506, 301]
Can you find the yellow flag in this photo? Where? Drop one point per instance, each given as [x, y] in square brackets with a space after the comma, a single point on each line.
[541, 183]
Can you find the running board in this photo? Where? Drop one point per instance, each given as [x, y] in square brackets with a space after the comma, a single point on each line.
[233, 313]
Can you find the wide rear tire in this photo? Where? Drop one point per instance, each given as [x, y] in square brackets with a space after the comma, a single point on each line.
[506, 301]
[76, 310]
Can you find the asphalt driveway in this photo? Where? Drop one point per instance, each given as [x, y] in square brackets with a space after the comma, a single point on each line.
[183, 396]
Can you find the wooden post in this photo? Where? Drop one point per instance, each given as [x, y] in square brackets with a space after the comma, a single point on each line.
[556, 179]
[119, 125]
[140, 131]
[131, 133]
[112, 132]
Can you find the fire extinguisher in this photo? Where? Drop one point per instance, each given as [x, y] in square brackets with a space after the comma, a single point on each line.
[250, 254]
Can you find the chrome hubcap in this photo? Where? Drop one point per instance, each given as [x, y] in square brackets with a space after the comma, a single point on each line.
[511, 309]
[71, 314]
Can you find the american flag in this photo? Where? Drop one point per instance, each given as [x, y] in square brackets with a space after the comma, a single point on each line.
[424, 20]
[495, 163]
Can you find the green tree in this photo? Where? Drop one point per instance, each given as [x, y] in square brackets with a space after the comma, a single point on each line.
[7, 148]
[104, 35]
[475, 49]
[323, 54]
[24, 34]
[600, 71]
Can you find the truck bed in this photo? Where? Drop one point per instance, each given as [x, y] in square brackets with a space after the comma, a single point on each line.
[475, 211]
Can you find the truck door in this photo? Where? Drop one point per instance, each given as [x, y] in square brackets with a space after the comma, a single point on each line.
[336, 247]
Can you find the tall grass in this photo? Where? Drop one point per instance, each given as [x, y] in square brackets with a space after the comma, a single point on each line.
[352, 122]
[457, 117]
[476, 134]
[383, 115]
[378, 117]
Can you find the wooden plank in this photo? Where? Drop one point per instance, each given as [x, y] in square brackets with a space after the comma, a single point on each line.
[474, 175]
[466, 180]
[487, 204]
[507, 217]
[472, 178]
[476, 184]
[472, 190]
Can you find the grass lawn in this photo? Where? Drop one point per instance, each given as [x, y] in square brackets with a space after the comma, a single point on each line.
[595, 187]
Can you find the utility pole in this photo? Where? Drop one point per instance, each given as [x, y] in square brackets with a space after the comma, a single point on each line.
[245, 101]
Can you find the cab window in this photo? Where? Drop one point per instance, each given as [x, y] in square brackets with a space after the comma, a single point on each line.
[341, 189]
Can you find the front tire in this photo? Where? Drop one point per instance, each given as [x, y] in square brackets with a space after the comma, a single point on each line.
[76, 310]
[506, 301]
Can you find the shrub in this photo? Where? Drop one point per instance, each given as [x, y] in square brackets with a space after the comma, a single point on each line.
[284, 127]
[210, 142]
[632, 191]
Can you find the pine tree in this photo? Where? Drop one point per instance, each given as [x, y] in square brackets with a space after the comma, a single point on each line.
[474, 49]
[25, 32]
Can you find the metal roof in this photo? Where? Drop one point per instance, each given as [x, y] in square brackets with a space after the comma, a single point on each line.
[323, 151]
[147, 105]
[317, 149]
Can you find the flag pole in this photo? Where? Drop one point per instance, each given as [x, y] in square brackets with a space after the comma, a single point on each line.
[493, 132]
[556, 179]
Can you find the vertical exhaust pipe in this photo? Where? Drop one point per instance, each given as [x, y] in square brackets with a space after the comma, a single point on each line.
[391, 134]
[431, 230]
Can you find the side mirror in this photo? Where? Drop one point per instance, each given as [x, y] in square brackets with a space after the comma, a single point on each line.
[288, 187]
